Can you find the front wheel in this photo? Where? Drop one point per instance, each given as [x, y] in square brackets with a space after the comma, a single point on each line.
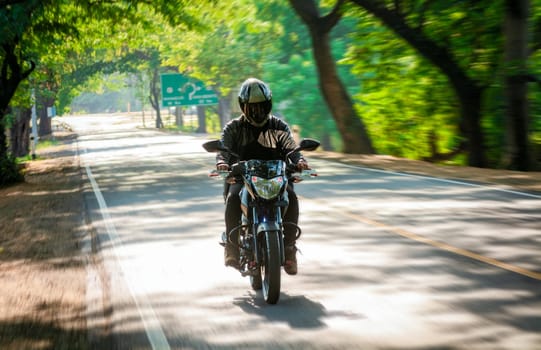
[271, 267]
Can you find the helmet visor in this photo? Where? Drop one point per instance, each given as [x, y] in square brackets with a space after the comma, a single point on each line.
[257, 113]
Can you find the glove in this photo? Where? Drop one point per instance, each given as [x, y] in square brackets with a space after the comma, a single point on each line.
[302, 164]
[222, 167]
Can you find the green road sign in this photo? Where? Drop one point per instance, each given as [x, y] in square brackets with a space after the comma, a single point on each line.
[179, 90]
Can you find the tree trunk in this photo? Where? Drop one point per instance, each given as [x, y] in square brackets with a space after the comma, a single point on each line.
[224, 110]
[516, 89]
[326, 142]
[351, 128]
[201, 120]
[3, 140]
[11, 75]
[179, 120]
[20, 132]
[155, 98]
[470, 110]
[42, 102]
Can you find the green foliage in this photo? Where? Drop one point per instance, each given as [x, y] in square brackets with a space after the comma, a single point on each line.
[297, 99]
[404, 101]
[45, 143]
[470, 30]
[534, 67]
[232, 50]
[9, 171]
[73, 42]
[213, 125]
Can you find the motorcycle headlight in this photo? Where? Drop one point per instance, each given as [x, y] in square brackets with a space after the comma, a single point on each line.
[268, 188]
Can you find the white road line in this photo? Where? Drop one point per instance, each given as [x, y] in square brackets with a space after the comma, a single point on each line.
[456, 182]
[151, 323]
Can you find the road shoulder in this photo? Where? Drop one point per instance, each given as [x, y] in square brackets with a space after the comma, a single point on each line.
[42, 268]
[517, 180]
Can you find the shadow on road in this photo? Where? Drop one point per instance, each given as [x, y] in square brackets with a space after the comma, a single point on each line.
[298, 311]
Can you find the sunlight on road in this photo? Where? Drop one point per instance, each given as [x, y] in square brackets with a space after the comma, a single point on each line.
[374, 271]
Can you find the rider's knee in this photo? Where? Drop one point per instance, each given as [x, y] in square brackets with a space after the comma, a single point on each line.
[232, 199]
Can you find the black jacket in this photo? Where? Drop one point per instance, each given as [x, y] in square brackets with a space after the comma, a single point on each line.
[271, 141]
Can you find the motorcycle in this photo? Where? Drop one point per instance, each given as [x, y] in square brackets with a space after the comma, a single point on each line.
[263, 202]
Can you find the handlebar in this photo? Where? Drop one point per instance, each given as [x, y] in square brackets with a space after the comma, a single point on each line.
[218, 173]
[295, 175]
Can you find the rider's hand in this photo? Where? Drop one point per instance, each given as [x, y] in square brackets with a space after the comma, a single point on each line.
[222, 167]
[302, 165]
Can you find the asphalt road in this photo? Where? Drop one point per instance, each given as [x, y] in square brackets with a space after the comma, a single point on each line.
[389, 261]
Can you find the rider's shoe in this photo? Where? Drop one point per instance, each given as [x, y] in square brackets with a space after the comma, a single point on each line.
[231, 256]
[290, 265]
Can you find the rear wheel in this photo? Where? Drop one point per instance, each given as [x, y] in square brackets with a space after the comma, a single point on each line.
[271, 267]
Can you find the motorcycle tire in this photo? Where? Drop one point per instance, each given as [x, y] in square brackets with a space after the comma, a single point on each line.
[271, 267]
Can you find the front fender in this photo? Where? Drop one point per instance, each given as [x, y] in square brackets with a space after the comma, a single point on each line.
[271, 230]
[268, 226]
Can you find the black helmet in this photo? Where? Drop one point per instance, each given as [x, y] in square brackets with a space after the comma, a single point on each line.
[255, 101]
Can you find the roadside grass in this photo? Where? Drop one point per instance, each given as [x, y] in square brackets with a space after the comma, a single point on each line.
[49, 142]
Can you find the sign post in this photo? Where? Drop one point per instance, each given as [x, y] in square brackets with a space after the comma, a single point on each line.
[180, 90]
[34, 135]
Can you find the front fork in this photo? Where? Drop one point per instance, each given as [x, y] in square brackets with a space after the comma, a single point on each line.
[262, 228]
[251, 237]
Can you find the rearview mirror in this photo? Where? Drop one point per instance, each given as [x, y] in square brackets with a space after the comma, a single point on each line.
[308, 144]
[214, 146]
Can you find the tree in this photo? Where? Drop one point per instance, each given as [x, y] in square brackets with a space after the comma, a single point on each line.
[288, 65]
[15, 66]
[29, 27]
[232, 49]
[154, 96]
[464, 40]
[409, 22]
[350, 125]
[405, 101]
[20, 131]
[517, 13]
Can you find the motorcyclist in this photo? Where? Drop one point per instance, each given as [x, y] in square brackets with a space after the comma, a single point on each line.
[257, 134]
